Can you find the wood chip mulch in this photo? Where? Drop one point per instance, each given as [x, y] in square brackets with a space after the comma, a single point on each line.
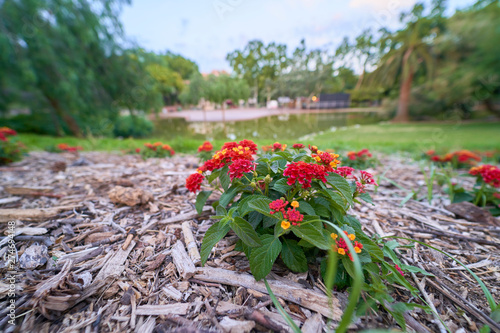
[110, 243]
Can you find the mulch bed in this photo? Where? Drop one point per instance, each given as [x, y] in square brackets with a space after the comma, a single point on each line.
[108, 242]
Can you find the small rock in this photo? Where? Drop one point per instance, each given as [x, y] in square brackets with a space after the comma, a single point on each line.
[236, 326]
[80, 162]
[129, 196]
[34, 256]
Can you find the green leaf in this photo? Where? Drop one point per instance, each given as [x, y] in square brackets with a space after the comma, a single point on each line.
[225, 181]
[245, 232]
[275, 166]
[281, 186]
[293, 256]
[306, 208]
[366, 197]
[270, 221]
[201, 199]
[340, 184]
[243, 206]
[261, 205]
[229, 195]
[213, 175]
[262, 258]
[312, 233]
[254, 218]
[213, 235]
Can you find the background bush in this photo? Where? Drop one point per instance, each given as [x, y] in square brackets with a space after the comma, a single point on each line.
[132, 126]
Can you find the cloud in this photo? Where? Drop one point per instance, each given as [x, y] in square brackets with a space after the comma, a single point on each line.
[390, 6]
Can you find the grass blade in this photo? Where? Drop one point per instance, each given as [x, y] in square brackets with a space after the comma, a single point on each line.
[282, 311]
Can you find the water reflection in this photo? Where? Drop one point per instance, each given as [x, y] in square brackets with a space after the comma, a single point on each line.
[285, 126]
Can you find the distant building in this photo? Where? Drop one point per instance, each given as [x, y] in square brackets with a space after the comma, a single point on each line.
[215, 73]
[332, 101]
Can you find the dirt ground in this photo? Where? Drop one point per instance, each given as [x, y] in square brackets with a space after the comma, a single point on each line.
[108, 242]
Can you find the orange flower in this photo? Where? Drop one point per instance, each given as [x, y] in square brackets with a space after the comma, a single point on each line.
[295, 204]
[285, 224]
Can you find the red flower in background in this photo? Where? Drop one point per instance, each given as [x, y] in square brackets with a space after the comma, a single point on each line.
[206, 146]
[193, 182]
[489, 173]
[298, 146]
[5, 131]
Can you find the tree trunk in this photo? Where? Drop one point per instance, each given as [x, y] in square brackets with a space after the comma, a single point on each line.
[403, 113]
[360, 81]
[57, 123]
[72, 124]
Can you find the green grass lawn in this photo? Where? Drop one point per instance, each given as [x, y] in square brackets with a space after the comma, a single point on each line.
[416, 137]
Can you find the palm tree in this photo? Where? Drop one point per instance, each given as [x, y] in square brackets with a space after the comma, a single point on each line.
[404, 52]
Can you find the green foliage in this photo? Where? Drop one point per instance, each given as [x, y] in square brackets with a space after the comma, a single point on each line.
[132, 126]
[11, 150]
[36, 123]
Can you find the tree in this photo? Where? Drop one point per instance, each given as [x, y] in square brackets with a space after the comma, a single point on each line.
[404, 52]
[257, 62]
[65, 56]
[469, 70]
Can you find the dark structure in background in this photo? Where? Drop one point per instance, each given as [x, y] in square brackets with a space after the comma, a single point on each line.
[332, 101]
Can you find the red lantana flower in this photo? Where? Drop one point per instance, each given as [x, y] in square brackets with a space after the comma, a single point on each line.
[5, 131]
[298, 146]
[344, 171]
[489, 173]
[304, 173]
[193, 182]
[206, 146]
[239, 167]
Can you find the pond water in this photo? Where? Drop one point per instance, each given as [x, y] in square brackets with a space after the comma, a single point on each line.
[285, 126]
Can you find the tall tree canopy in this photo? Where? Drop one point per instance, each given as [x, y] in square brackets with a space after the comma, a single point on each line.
[63, 57]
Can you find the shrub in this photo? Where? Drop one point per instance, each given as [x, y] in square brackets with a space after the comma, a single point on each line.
[132, 126]
[360, 160]
[205, 151]
[10, 149]
[458, 159]
[37, 123]
[156, 149]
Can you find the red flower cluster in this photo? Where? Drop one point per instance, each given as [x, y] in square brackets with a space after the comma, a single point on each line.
[5, 132]
[489, 173]
[291, 215]
[238, 155]
[345, 172]
[304, 173]
[274, 147]
[278, 206]
[362, 154]
[341, 246]
[239, 167]
[66, 147]
[193, 182]
[329, 160]
[206, 146]
[313, 149]
[298, 146]
[158, 145]
[366, 178]
[462, 156]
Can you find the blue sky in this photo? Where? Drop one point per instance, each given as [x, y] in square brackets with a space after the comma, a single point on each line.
[206, 30]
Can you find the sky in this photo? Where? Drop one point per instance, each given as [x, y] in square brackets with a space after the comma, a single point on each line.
[205, 31]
